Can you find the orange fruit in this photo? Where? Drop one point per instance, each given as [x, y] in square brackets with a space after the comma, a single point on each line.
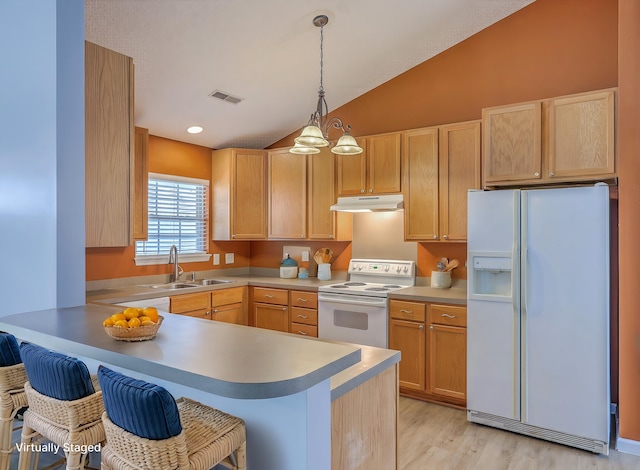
[130, 313]
[118, 316]
[140, 310]
[145, 318]
[108, 322]
[152, 313]
[121, 324]
[147, 323]
[134, 323]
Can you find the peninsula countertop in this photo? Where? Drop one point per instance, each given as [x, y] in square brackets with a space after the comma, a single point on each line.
[219, 358]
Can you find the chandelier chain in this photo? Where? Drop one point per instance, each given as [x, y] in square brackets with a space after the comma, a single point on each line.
[321, 56]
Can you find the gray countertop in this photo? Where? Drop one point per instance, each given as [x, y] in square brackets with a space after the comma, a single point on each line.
[223, 359]
[452, 295]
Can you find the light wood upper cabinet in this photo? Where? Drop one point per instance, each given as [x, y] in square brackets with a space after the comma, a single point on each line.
[459, 171]
[321, 192]
[109, 147]
[564, 139]
[440, 165]
[238, 194]
[512, 143]
[287, 189]
[141, 184]
[582, 135]
[375, 171]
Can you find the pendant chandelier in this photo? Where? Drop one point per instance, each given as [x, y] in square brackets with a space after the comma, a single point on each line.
[316, 132]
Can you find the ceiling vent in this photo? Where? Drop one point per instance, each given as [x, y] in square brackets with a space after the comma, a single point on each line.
[221, 95]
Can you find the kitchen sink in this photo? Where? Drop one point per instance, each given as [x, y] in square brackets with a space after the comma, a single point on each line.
[211, 282]
[171, 285]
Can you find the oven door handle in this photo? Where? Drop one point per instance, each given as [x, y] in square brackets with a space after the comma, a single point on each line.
[353, 300]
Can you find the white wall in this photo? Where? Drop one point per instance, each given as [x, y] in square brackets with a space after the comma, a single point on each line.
[380, 235]
[41, 154]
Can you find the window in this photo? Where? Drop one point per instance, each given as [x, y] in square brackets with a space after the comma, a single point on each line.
[178, 215]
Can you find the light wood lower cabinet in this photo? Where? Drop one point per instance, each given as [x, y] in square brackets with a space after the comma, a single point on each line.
[271, 308]
[304, 313]
[433, 341]
[229, 305]
[193, 305]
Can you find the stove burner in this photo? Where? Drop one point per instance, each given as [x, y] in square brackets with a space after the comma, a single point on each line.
[391, 286]
[354, 284]
[339, 286]
[377, 289]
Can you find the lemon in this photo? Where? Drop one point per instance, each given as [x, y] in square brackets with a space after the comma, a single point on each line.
[152, 313]
[140, 310]
[134, 323]
[147, 323]
[121, 324]
[145, 318]
[118, 316]
[130, 313]
[108, 322]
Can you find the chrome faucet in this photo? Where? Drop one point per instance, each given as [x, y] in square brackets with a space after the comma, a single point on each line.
[173, 259]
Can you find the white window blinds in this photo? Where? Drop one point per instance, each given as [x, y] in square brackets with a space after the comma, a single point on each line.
[178, 215]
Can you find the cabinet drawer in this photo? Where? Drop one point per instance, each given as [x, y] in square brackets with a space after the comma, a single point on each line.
[304, 299]
[201, 313]
[271, 296]
[233, 295]
[407, 310]
[188, 302]
[448, 315]
[304, 330]
[304, 315]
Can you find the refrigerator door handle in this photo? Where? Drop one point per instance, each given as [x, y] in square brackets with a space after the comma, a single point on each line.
[523, 291]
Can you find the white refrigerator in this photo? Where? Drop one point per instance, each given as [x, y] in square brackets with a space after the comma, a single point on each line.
[538, 313]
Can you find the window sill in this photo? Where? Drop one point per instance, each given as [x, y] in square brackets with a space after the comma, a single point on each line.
[147, 260]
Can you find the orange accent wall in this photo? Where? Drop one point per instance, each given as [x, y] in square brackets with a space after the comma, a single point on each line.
[175, 158]
[629, 222]
[430, 253]
[268, 254]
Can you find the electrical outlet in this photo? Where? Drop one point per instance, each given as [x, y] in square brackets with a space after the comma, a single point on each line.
[229, 258]
[216, 259]
[305, 256]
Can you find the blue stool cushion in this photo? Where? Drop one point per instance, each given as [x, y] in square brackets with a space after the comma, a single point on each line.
[56, 375]
[9, 350]
[142, 408]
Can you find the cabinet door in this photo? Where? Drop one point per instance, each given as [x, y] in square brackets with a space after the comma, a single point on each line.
[189, 302]
[420, 169]
[201, 313]
[582, 136]
[459, 171]
[271, 317]
[384, 160]
[409, 338]
[512, 143]
[248, 207]
[352, 172]
[109, 148]
[229, 314]
[447, 361]
[287, 190]
[321, 188]
[141, 184]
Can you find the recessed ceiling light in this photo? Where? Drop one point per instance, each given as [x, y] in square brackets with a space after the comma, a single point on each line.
[194, 130]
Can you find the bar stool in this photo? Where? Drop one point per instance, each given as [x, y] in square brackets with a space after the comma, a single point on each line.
[12, 395]
[147, 428]
[65, 406]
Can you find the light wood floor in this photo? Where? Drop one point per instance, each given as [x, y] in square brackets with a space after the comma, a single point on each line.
[439, 437]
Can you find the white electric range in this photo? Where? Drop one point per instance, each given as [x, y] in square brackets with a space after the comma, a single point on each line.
[357, 311]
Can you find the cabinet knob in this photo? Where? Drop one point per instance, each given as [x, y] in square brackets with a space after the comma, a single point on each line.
[233, 236]
[215, 310]
[284, 308]
[446, 237]
[431, 327]
[362, 191]
[371, 190]
[301, 236]
[421, 327]
[435, 237]
[551, 173]
[536, 174]
[207, 313]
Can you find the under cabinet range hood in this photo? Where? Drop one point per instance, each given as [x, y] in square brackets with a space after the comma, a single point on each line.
[385, 202]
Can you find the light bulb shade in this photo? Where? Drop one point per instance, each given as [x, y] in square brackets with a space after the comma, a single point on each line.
[347, 145]
[311, 137]
[299, 149]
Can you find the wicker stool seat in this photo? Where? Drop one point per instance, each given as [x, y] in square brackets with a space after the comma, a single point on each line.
[12, 395]
[203, 438]
[72, 424]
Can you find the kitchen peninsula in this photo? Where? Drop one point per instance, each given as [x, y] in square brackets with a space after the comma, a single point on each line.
[295, 394]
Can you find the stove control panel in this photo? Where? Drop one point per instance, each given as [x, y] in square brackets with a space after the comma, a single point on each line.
[382, 267]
